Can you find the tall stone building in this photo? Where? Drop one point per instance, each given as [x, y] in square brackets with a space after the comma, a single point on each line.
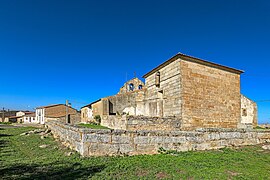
[183, 93]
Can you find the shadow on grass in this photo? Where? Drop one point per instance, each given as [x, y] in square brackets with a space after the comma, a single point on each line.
[64, 170]
[5, 135]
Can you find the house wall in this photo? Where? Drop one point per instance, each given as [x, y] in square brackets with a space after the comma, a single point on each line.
[28, 119]
[6, 119]
[86, 114]
[164, 100]
[97, 108]
[210, 97]
[20, 113]
[248, 112]
[74, 119]
[58, 111]
[53, 112]
[40, 115]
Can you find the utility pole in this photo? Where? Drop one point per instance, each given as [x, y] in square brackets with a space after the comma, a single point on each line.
[66, 111]
[3, 115]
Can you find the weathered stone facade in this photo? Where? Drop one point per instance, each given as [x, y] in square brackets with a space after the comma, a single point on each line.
[248, 112]
[131, 85]
[191, 92]
[163, 97]
[210, 96]
[89, 111]
[131, 103]
[86, 114]
[93, 142]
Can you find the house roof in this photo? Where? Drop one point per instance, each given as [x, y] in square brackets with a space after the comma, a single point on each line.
[89, 105]
[193, 59]
[41, 107]
[53, 105]
[30, 114]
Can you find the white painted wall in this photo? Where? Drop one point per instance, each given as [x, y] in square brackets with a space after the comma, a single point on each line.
[29, 119]
[89, 113]
[40, 115]
[250, 108]
[20, 113]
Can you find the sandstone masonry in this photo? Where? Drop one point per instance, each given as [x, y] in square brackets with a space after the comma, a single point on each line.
[183, 93]
[93, 142]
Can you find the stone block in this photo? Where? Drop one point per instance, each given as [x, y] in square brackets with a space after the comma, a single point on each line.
[121, 139]
[98, 138]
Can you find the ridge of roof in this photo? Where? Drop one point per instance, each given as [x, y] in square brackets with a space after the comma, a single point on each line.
[193, 59]
[41, 107]
[49, 106]
[91, 103]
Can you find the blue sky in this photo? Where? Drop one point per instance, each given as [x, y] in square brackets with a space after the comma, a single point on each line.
[52, 50]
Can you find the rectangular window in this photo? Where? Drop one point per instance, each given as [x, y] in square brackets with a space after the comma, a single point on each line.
[244, 112]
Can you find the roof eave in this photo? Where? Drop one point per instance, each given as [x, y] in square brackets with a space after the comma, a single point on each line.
[196, 60]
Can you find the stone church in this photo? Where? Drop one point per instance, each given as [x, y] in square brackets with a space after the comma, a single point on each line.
[183, 93]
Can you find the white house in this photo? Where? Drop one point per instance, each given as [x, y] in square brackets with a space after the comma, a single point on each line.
[54, 112]
[25, 117]
[29, 118]
[40, 115]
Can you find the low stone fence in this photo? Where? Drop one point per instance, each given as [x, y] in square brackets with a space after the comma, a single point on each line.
[93, 142]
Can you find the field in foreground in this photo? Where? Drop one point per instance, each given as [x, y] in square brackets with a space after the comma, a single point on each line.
[22, 158]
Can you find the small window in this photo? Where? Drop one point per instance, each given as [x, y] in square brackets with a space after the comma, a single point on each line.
[244, 112]
[131, 87]
[140, 87]
[158, 79]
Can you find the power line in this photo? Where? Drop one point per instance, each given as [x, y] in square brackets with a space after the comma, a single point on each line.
[262, 101]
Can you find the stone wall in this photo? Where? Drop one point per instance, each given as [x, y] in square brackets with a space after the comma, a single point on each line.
[74, 118]
[86, 114]
[170, 123]
[131, 85]
[114, 121]
[93, 142]
[97, 108]
[210, 97]
[125, 122]
[248, 112]
[131, 103]
[164, 100]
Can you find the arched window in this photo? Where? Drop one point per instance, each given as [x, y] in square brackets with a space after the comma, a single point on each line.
[140, 87]
[131, 87]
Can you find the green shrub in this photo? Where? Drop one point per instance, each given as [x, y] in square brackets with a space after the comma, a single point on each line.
[97, 119]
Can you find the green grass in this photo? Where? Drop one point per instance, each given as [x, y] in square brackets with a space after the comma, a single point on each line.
[260, 128]
[21, 158]
[5, 123]
[92, 126]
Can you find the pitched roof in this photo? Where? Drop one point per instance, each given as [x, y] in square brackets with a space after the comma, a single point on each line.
[193, 59]
[53, 105]
[89, 105]
[30, 114]
[41, 107]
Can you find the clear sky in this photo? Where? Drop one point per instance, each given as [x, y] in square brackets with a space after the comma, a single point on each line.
[78, 50]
